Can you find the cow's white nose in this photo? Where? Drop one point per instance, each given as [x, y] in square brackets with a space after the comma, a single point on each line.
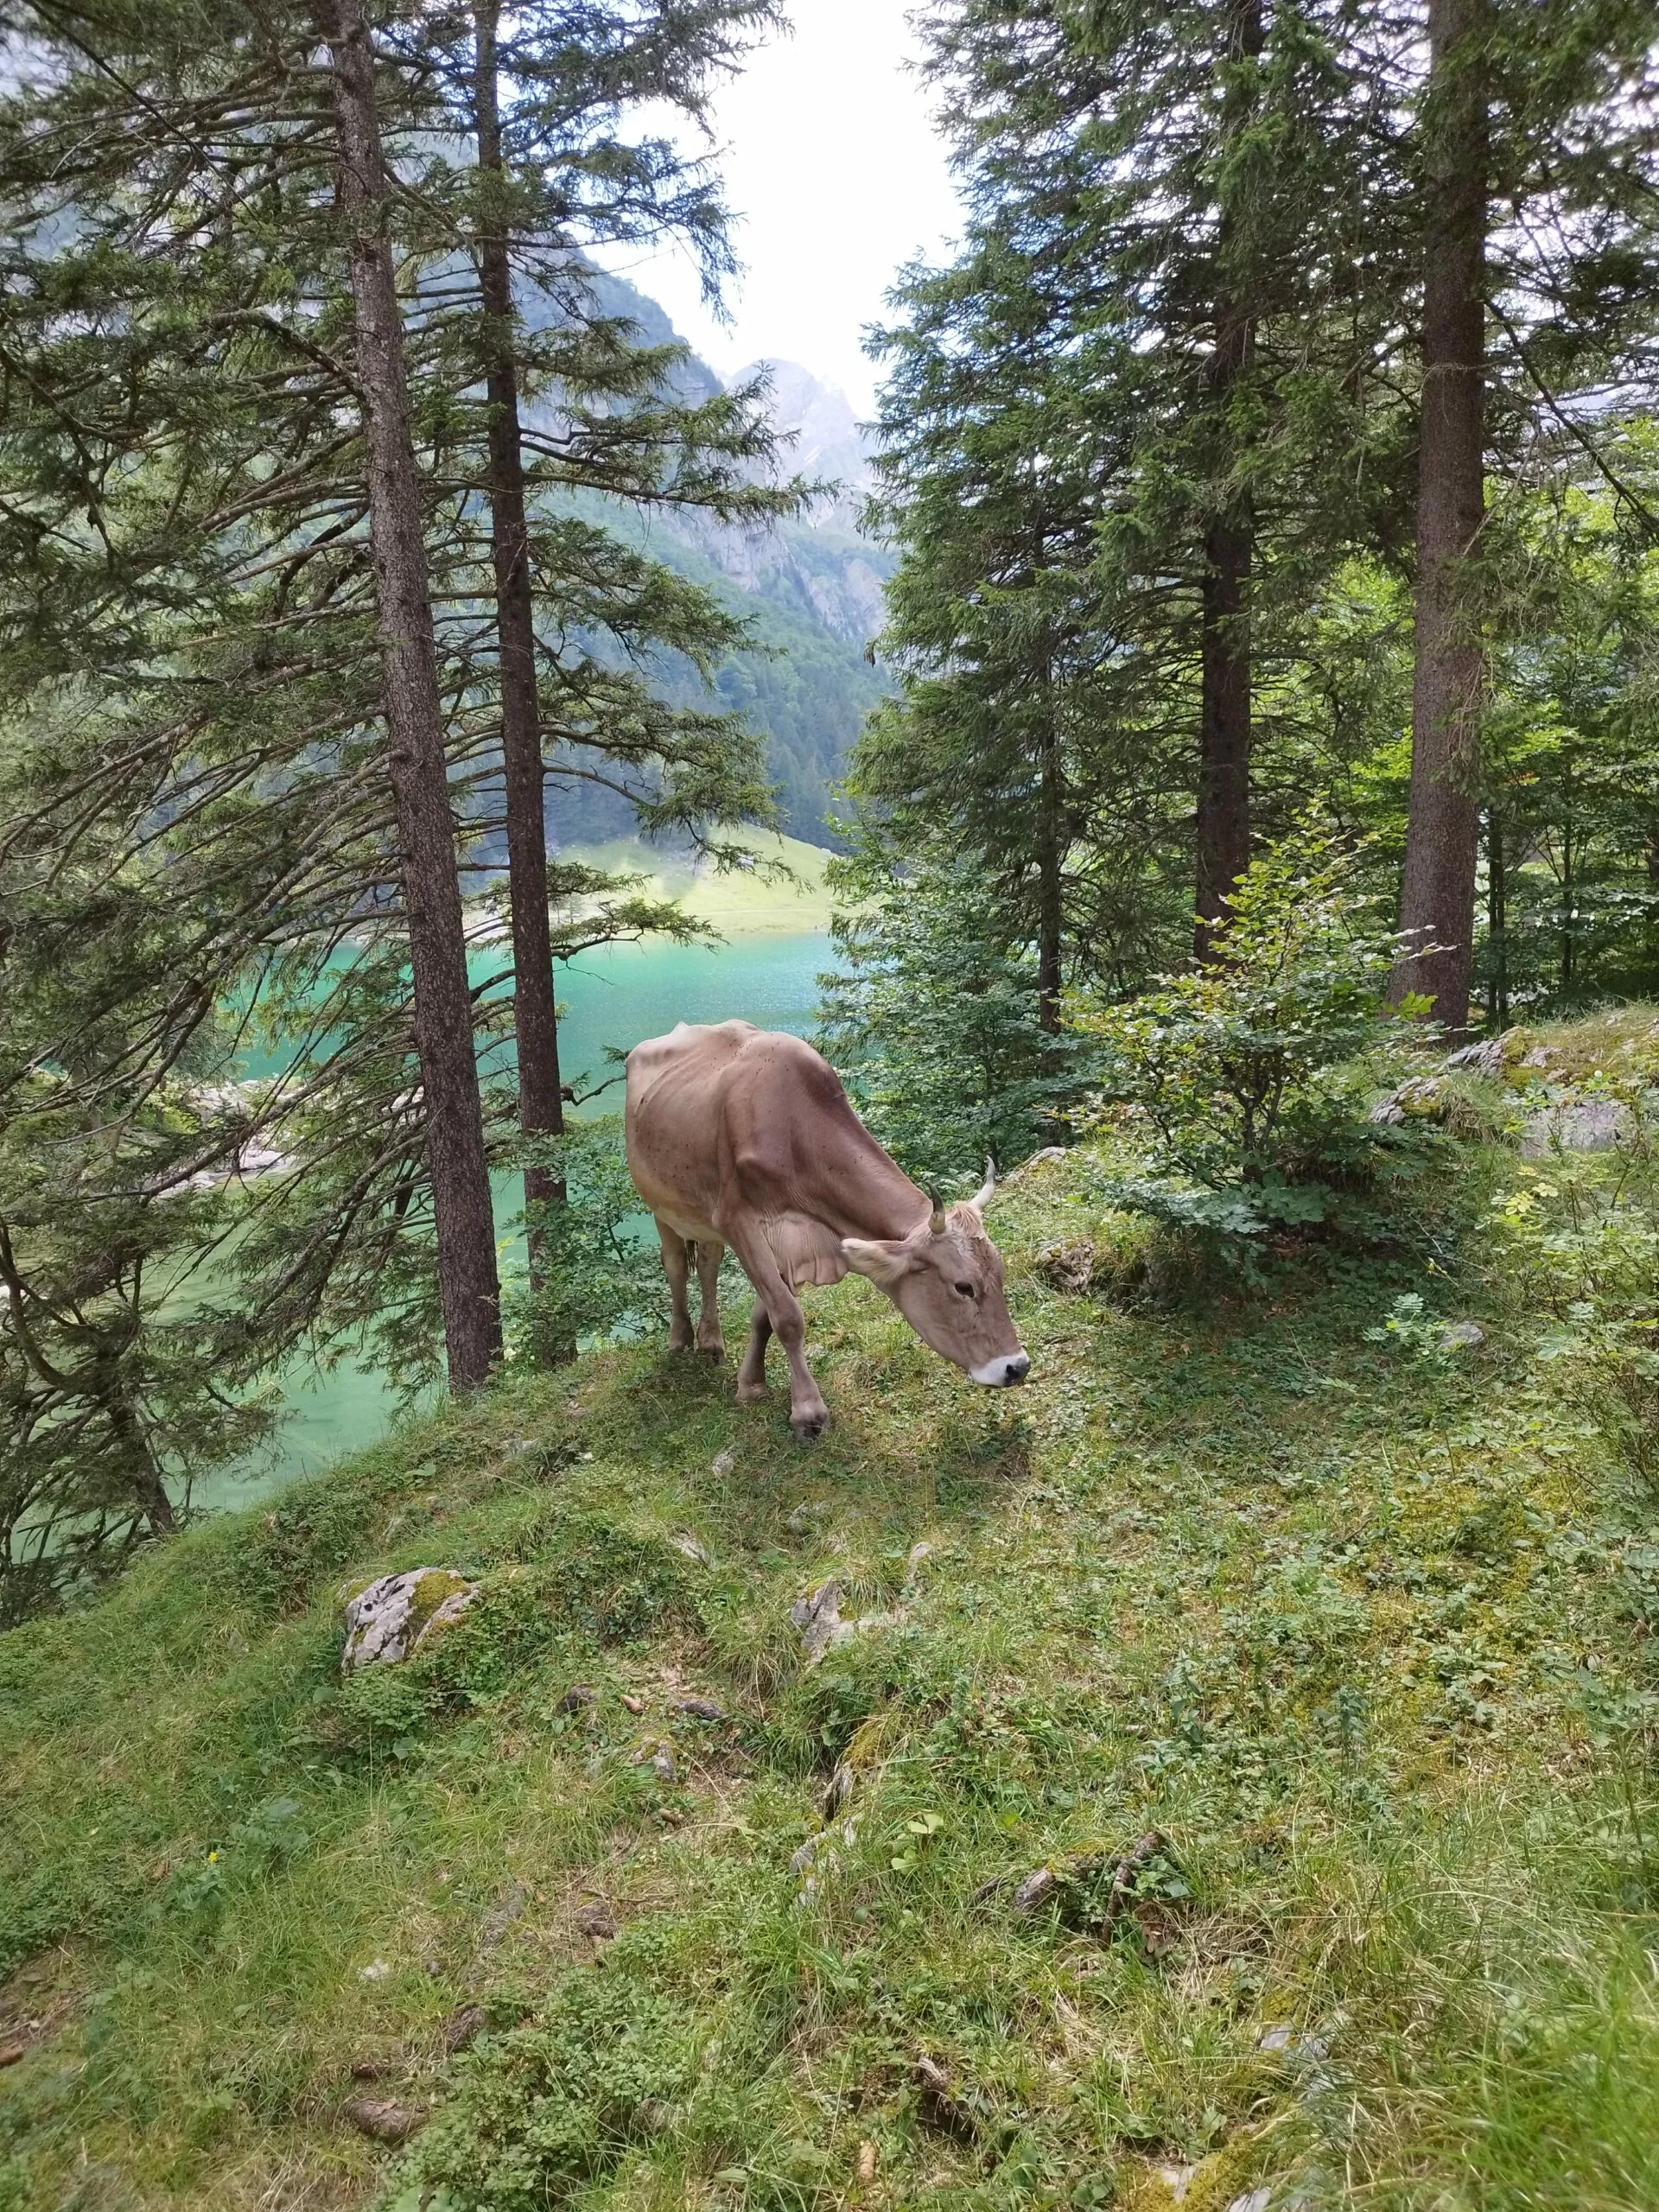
[1017, 1368]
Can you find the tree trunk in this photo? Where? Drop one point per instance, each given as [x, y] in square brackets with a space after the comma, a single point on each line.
[1050, 918]
[1437, 905]
[541, 1109]
[1497, 918]
[1224, 734]
[455, 1157]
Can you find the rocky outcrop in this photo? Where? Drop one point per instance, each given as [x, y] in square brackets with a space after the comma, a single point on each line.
[392, 1617]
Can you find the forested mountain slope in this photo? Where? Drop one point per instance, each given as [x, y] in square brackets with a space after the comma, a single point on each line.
[811, 587]
[1229, 1788]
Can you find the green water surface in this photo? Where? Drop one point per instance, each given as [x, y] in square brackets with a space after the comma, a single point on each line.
[615, 996]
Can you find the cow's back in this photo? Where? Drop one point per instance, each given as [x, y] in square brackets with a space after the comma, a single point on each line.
[730, 1123]
[675, 1104]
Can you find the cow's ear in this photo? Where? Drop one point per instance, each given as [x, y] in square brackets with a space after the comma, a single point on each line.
[883, 1260]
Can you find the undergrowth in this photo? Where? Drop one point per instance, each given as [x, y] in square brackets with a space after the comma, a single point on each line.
[1241, 1782]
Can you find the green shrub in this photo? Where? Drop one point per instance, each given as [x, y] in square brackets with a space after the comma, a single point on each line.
[1581, 1233]
[603, 1277]
[1245, 1083]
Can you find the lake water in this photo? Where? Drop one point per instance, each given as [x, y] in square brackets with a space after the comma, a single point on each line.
[615, 996]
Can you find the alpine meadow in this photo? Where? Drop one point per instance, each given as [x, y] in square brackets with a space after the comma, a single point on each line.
[1161, 1706]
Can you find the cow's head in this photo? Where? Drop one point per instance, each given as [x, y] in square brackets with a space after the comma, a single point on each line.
[946, 1279]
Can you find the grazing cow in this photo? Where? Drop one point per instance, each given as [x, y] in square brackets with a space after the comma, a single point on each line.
[744, 1136]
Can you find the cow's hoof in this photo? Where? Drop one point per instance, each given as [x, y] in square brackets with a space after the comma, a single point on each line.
[751, 1393]
[712, 1352]
[809, 1425]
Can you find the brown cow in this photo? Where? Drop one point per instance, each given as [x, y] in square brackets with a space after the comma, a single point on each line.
[744, 1136]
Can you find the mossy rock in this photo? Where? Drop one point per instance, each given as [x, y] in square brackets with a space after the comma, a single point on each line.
[389, 1617]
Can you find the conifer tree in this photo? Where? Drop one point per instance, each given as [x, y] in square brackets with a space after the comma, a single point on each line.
[462, 1212]
[1539, 162]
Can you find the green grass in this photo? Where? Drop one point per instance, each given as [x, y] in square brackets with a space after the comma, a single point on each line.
[757, 902]
[1363, 1636]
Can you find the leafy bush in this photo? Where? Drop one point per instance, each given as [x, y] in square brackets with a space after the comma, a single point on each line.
[1246, 1082]
[604, 1276]
[1582, 1232]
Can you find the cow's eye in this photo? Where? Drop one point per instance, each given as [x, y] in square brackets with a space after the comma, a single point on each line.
[964, 1290]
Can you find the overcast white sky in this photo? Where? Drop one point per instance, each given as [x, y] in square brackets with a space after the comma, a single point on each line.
[832, 166]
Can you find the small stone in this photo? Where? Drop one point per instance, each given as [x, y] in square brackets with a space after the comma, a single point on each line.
[501, 1914]
[693, 1546]
[662, 1761]
[379, 2117]
[723, 1462]
[939, 2107]
[376, 1970]
[700, 1708]
[633, 1704]
[1257, 2200]
[597, 1921]
[1037, 1885]
[1281, 2037]
[1177, 2180]
[839, 1790]
[816, 1615]
[867, 2161]
[578, 1697]
[1460, 1335]
[1069, 1265]
[801, 1859]
[464, 2026]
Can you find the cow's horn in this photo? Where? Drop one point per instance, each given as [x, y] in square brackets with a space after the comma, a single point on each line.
[937, 1223]
[982, 1197]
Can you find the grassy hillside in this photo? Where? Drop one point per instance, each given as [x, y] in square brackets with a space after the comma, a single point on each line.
[785, 896]
[1238, 1785]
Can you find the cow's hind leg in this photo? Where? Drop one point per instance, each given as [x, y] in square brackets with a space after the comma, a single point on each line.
[808, 1415]
[710, 1338]
[675, 1267]
[752, 1374]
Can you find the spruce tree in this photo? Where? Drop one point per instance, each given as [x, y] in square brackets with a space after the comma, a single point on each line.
[456, 1162]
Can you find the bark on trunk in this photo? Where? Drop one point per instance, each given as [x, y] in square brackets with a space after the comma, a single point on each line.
[1049, 854]
[1497, 918]
[456, 1161]
[1437, 905]
[1224, 731]
[541, 1109]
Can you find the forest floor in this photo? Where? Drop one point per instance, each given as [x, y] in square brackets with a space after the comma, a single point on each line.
[1237, 1793]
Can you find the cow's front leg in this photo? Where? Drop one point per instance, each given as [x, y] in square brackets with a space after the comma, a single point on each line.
[675, 1267]
[710, 1338]
[808, 1415]
[752, 1374]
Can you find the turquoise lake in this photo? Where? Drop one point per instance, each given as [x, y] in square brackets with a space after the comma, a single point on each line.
[612, 996]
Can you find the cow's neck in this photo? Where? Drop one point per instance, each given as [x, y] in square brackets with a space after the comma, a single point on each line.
[876, 1199]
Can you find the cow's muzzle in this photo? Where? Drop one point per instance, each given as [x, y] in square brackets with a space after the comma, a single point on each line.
[1007, 1367]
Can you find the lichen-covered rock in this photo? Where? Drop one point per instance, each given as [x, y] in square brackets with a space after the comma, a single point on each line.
[1576, 1125]
[391, 1617]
